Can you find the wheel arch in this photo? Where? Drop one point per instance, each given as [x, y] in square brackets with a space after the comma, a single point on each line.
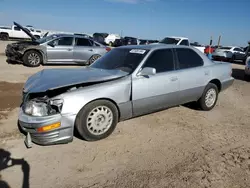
[107, 99]
[39, 51]
[217, 82]
[4, 33]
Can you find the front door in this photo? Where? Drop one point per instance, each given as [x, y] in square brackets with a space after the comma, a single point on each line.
[159, 91]
[61, 50]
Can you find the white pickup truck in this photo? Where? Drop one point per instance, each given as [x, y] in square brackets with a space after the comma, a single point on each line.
[180, 41]
[14, 32]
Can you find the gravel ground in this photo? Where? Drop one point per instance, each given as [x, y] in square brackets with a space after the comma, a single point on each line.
[179, 147]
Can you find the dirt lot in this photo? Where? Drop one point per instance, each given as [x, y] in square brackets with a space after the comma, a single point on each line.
[179, 147]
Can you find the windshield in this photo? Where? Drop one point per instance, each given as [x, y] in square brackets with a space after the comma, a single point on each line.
[124, 59]
[168, 40]
[225, 48]
[45, 39]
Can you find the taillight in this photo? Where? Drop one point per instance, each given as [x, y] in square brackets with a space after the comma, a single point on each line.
[108, 49]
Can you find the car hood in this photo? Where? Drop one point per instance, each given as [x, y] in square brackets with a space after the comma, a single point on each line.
[50, 79]
[25, 30]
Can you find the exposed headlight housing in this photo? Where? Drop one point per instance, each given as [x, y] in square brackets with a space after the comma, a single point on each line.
[40, 108]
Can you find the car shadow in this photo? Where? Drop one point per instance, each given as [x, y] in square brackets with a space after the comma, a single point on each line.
[6, 161]
[238, 74]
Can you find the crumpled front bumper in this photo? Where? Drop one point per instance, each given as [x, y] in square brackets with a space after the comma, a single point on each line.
[60, 135]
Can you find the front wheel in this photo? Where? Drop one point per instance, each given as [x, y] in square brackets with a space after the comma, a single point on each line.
[209, 97]
[97, 120]
[32, 58]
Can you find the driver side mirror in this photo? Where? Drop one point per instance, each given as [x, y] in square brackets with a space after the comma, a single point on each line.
[147, 71]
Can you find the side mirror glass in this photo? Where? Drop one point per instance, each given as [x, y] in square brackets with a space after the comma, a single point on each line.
[147, 71]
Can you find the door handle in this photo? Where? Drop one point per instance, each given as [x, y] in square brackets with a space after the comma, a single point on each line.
[91, 50]
[69, 49]
[173, 79]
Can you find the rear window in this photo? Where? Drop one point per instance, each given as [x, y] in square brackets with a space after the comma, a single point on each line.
[225, 48]
[121, 58]
[168, 40]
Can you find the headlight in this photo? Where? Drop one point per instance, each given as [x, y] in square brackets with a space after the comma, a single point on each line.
[36, 109]
[42, 108]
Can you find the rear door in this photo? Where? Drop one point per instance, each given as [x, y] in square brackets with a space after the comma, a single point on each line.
[83, 49]
[192, 74]
[151, 93]
[61, 50]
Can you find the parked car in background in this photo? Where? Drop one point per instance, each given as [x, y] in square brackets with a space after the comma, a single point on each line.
[229, 53]
[119, 42]
[127, 82]
[110, 39]
[14, 32]
[179, 41]
[130, 41]
[100, 38]
[55, 49]
[247, 69]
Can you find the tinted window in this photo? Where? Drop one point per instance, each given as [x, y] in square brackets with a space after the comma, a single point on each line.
[82, 42]
[17, 29]
[238, 49]
[184, 42]
[161, 60]
[168, 40]
[124, 59]
[225, 48]
[188, 58]
[64, 41]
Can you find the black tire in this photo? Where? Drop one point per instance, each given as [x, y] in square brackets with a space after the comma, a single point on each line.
[32, 58]
[246, 77]
[202, 101]
[85, 130]
[4, 36]
[93, 59]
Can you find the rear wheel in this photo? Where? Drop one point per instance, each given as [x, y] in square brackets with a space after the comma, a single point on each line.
[209, 97]
[93, 59]
[32, 58]
[97, 120]
[4, 36]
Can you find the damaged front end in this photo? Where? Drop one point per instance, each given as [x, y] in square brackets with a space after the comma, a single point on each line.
[15, 51]
[40, 117]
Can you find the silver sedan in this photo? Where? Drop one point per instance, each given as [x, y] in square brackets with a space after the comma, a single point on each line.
[128, 81]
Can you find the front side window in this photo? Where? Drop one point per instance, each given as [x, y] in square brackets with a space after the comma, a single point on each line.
[83, 42]
[161, 60]
[63, 41]
[125, 59]
[188, 58]
[17, 28]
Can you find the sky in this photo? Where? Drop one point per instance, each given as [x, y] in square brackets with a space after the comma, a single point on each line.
[148, 19]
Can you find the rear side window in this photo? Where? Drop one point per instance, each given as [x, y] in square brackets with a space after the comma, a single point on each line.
[184, 42]
[63, 41]
[188, 58]
[83, 42]
[17, 28]
[161, 60]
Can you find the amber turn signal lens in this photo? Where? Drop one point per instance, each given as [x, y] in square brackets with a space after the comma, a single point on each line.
[49, 127]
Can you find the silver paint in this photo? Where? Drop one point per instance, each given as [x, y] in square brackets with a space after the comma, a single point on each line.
[133, 94]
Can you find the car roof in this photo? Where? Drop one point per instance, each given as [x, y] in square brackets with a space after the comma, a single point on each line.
[70, 35]
[154, 46]
[176, 37]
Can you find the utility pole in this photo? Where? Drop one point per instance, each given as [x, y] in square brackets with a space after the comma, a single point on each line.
[219, 41]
